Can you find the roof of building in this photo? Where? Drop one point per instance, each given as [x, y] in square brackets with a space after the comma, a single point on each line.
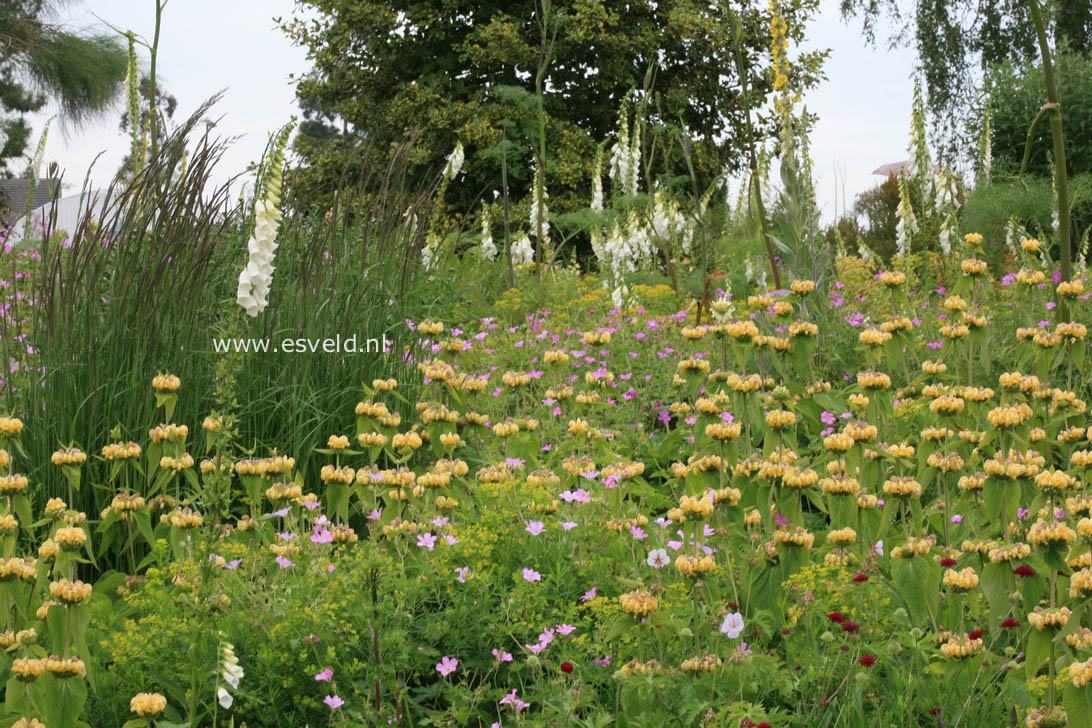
[13, 197]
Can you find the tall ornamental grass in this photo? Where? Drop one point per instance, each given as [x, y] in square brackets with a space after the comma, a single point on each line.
[140, 286]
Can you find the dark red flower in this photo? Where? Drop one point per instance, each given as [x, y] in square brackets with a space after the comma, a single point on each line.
[785, 630]
[733, 606]
[1024, 570]
[566, 667]
[947, 561]
[836, 617]
[763, 724]
[848, 626]
[867, 660]
[859, 577]
[1009, 623]
[746, 723]
[976, 633]
[934, 711]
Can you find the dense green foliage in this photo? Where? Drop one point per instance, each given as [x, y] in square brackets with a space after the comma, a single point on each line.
[40, 61]
[463, 71]
[1017, 94]
[954, 40]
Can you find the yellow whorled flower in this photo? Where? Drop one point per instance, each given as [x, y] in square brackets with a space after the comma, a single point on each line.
[147, 704]
[121, 451]
[972, 482]
[1070, 289]
[1071, 331]
[1055, 481]
[14, 483]
[794, 477]
[803, 328]
[795, 536]
[70, 539]
[934, 367]
[873, 380]
[1010, 415]
[601, 337]
[185, 518]
[176, 464]
[961, 647]
[901, 450]
[168, 431]
[694, 565]
[723, 430]
[963, 580]
[1081, 639]
[892, 278]
[701, 507]
[166, 383]
[945, 462]
[372, 439]
[430, 327]
[840, 484]
[1051, 618]
[914, 547]
[874, 337]
[1081, 673]
[1051, 535]
[973, 267]
[10, 426]
[639, 602]
[842, 535]
[70, 592]
[902, 486]
[67, 667]
[780, 419]
[947, 404]
[69, 456]
[802, 287]
[706, 663]
[977, 547]
[973, 240]
[337, 442]
[838, 442]
[410, 440]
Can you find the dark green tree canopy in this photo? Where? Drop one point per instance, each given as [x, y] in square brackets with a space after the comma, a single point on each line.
[41, 61]
[447, 69]
[956, 40]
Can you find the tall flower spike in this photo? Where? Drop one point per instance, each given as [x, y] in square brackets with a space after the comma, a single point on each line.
[32, 175]
[522, 252]
[597, 181]
[136, 126]
[454, 162]
[907, 225]
[921, 162]
[257, 277]
[985, 148]
[488, 249]
[540, 214]
[620, 155]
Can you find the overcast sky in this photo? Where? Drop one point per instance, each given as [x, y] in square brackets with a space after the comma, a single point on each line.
[212, 45]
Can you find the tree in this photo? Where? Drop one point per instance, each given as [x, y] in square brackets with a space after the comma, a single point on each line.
[955, 39]
[445, 69]
[40, 61]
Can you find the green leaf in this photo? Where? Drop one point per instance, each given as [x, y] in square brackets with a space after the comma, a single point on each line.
[1078, 704]
[1038, 651]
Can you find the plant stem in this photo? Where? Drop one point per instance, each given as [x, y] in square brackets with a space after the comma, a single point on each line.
[1060, 174]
